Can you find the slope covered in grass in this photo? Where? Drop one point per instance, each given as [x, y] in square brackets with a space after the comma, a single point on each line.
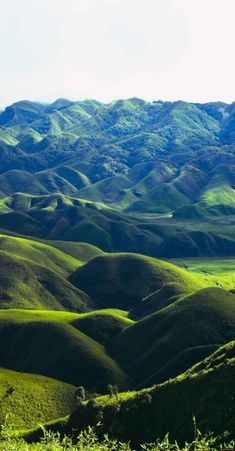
[42, 254]
[35, 399]
[122, 280]
[58, 350]
[144, 157]
[36, 277]
[205, 392]
[81, 251]
[222, 271]
[58, 217]
[204, 318]
[102, 326]
[63, 345]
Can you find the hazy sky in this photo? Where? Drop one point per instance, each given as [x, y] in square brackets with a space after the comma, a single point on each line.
[108, 49]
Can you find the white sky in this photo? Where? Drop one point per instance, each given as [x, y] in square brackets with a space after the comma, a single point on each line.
[109, 49]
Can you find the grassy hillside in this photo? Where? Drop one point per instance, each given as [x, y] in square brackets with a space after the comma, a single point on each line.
[81, 251]
[35, 399]
[222, 271]
[91, 348]
[144, 157]
[63, 345]
[147, 348]
[190, 232]
[36, 277]
[122, 280]
[42, 254]
[170, 407]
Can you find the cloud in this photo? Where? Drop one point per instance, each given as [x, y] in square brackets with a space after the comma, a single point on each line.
[106, 49]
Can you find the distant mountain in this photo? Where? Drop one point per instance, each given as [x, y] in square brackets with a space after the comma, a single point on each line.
[113, 137]
[174, 159]
[189, 233]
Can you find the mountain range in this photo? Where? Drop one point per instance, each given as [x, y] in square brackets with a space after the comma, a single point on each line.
[154, 178]
[117, 254]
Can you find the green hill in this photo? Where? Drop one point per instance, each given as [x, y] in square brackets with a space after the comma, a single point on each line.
[81, 251]
[122, 280]
[204, 318]
[36, 277]
[52, 344]
[34, 399]
[205, 392]
[135, 155]
[102, 326]
[189, 232]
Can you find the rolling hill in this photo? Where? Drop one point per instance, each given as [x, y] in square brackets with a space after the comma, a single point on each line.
[164, 169]
[30, 399]
[36, 277]
[171, 406]
[122, 280]
[146, 349]
[54, 344]
[59, 217]
[144, 157]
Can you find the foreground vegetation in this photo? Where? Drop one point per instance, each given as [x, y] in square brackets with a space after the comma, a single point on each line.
[88, 441]
[206, 390]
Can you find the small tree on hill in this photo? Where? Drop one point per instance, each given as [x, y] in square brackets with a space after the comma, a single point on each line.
[80, 395]
[110, 390]
[115, 391]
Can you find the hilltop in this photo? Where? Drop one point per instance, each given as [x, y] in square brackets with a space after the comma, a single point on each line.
[123, 280]
[164, 344]
[59, 217]
[134, 150]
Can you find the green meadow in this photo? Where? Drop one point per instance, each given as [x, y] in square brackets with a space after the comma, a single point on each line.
[35, 400]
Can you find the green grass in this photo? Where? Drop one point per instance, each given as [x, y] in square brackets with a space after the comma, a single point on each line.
[63, 345]
[39, 253]
[206, 393]
[29, 285]
[36, 276]
[122, 280]
[90, 439]
[80, 251]
[66, 317]
[57, 217]
[36, 399]
[151, 350]
[162, 199]
[220, 195]
[190, 232]
[221, 271]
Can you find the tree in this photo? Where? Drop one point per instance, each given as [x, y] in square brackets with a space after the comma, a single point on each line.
[115, 391]
[80, 395]
[110, 390]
